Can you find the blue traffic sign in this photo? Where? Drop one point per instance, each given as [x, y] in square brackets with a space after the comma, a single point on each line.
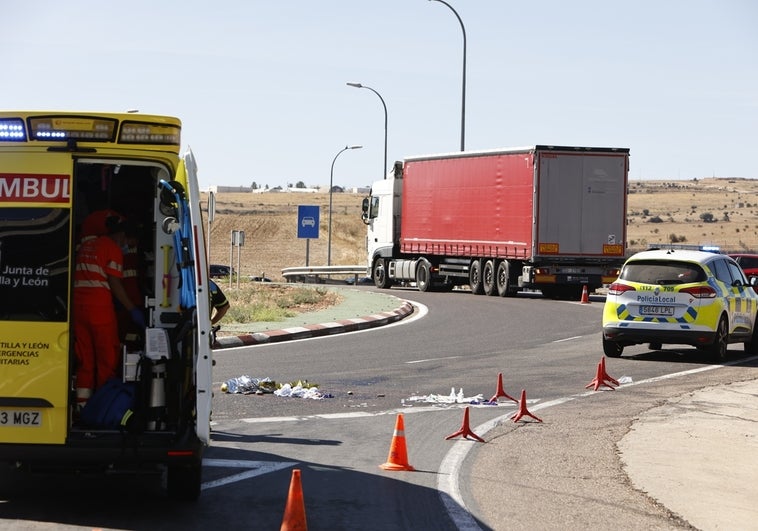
[307, 221]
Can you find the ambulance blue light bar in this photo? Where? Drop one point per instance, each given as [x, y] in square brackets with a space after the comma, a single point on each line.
[12, 130]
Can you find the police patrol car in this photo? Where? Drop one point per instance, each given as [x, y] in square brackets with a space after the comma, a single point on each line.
[686, 297]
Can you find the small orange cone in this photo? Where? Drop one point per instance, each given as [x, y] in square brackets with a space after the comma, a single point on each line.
[585, 295]
[465, 430]
[500, 391]
[522, 409]
[398, 456]
[294, 511]
[599, 379]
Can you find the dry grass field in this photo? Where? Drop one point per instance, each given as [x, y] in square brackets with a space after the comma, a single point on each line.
[715, 211]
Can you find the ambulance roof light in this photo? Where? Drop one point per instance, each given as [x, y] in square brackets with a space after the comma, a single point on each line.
[12, 130]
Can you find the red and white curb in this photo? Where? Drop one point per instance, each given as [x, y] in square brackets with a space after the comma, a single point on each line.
[316, 330]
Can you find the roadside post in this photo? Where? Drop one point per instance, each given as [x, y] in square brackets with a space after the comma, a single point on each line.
[238, 240]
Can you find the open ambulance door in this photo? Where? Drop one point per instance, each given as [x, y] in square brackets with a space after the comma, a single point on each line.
[35, 287]
[203, 356]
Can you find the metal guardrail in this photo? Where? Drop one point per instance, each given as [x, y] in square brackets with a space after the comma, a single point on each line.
[295, 274]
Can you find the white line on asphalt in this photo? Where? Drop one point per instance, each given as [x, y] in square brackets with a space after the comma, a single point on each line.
[256, 468]
[567, 339]
[432, 359]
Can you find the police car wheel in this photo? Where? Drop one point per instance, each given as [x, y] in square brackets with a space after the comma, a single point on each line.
[718, 350]
[751, 347]
[612, 349]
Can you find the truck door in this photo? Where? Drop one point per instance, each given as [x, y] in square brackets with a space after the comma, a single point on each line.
[35, 268]
[203, 356]
[581, 202]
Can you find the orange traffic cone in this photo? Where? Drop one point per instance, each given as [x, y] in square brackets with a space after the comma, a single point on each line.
[599, 379]
[500, 391]
[606, 376]
[398, 456]
[522, 409]
[465, 430]
[294, 511]
[585, 295]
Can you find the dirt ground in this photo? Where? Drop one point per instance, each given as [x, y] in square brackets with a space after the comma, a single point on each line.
[714, 211]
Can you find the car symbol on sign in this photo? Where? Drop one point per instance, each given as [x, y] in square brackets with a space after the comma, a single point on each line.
[308, 221]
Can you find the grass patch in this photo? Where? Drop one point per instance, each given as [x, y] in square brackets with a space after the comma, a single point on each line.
[259, 302]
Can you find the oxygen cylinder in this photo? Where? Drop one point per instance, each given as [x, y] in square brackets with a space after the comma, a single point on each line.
[157, 407]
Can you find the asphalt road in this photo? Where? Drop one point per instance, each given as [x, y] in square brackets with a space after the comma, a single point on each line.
[560, 473]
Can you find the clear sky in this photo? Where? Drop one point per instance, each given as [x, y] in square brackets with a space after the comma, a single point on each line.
[260, 85]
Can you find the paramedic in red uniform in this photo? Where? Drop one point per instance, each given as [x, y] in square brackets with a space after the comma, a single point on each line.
[97, 281]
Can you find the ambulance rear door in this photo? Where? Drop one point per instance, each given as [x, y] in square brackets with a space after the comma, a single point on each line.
[35, 265]
[204, 360]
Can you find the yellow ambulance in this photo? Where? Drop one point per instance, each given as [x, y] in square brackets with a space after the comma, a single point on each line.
[56, 170]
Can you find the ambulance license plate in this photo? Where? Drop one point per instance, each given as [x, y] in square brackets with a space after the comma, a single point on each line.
[29, 418]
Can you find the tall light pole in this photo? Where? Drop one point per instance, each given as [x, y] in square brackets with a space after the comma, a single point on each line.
[384, 166]
[331, 180]
[463, 92]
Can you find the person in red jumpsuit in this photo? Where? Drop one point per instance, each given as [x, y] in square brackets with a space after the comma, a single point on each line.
[97, 281]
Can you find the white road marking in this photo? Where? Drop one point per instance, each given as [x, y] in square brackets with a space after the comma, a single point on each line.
[255, 468]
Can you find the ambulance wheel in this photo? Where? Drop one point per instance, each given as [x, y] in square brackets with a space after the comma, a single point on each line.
[475, 277]
[612, 349]
[423, 276]
[489, 278]
[183, 481]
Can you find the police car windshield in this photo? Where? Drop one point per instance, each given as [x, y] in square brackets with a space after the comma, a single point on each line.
[662, 272]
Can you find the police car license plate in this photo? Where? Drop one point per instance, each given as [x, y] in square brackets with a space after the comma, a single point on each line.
[657, 310]
[20, 418]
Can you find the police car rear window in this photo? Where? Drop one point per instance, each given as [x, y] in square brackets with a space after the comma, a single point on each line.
[662, 272]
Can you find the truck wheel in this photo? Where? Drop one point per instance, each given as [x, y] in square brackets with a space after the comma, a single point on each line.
[502, 280]
[183, 481]
[475, 277]
[423, 276]
[489, 278]
[381, 279]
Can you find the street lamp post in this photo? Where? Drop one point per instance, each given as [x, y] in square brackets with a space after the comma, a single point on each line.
[331, 180]
[463, 92]
[358, 85]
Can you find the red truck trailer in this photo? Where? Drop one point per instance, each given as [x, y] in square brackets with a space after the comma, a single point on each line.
[541, 217]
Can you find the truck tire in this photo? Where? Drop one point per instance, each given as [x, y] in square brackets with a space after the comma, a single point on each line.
[475, 277]
[502, 278]
[379, 273]
[183, 482]
[489, 277]
[423, 276]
